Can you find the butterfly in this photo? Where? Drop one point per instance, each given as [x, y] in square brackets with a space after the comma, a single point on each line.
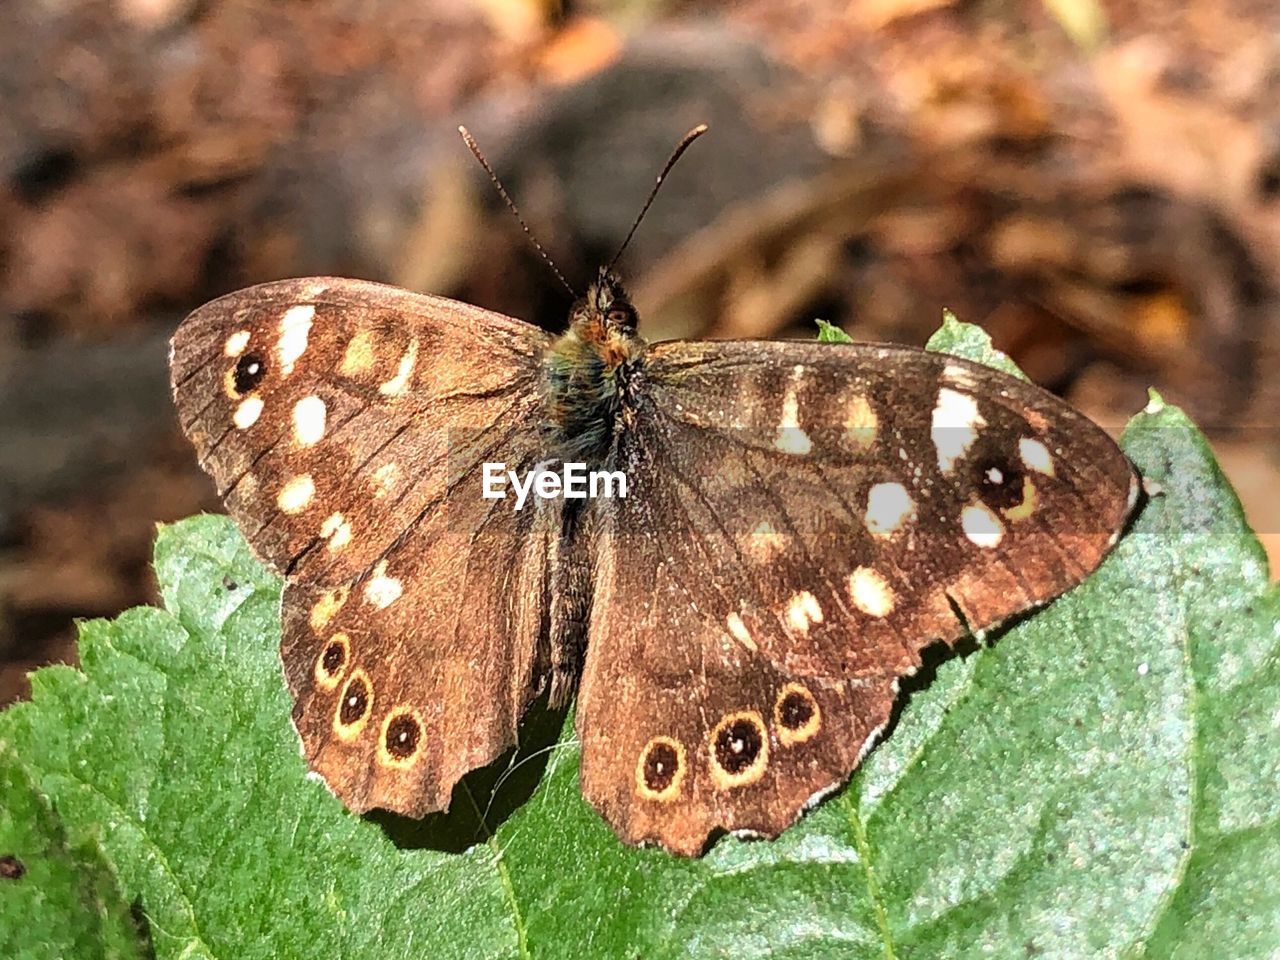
[802, 519]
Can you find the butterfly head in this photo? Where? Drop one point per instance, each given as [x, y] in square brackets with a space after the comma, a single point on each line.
[588, 367]
[605, 313]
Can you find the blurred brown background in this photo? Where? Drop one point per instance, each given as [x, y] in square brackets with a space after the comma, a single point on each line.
[1096, 183]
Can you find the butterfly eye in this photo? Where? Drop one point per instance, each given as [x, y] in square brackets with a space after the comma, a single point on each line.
[250, 369]
[999, 482]
[334, 656]
[354, 705]
[621, 317]
[796, 714]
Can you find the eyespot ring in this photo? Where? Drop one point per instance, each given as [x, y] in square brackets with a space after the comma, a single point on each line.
[660, 769]
[739, 749]
[354, 706]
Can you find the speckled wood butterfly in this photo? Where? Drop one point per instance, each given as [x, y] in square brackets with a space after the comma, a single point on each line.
[800, 521]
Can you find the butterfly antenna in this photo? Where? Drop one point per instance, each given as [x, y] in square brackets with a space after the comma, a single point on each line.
[681, 147]
[511, 205]
[515, 765]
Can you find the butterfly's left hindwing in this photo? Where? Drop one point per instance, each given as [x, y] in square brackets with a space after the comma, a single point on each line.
[802, 520]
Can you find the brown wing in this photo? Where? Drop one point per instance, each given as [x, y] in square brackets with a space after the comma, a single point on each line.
[347, 395]
[345, 424]
[409, 678]
[801, 521]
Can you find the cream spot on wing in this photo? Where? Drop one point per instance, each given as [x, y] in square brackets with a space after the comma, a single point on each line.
[803, 610]
[955, 426]
[358, 358]
[330, 603]
[959, 376]
[400, 382]
[295, 327]
[308, 421]
[1036, 456]
[236, 343]
[791, 438]
[889, 506]
[764, 541]
[337, 531]
[870, 592]
[860, 422]
[981, 526]
[295, 496]
[247, 413]
[1028, 504]
[740, 632]
[384, 478]
[381, 590]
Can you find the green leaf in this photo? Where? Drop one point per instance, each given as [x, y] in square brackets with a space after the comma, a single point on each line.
[174, 752]
[972, 343]
[62, 901]
[830, 333]
[1098, 781]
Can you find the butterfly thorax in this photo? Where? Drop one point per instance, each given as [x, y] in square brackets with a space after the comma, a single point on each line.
[587, 369]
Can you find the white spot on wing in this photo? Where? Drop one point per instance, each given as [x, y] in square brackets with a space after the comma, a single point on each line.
[381, 590]
[871, 592]
[295, 327]
[860, 422]
[889, 506]
[247, 413]
[803, 610]
[236, 343]
[740, 632]
[295, 496]
[400, 382]
[955, 426]
[337, 531]
[1036, 456]
[791, 438]
[308, 420]
[958, 375]
[981, 526]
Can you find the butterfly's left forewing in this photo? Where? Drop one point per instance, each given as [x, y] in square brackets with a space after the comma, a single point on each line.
[802, 520]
